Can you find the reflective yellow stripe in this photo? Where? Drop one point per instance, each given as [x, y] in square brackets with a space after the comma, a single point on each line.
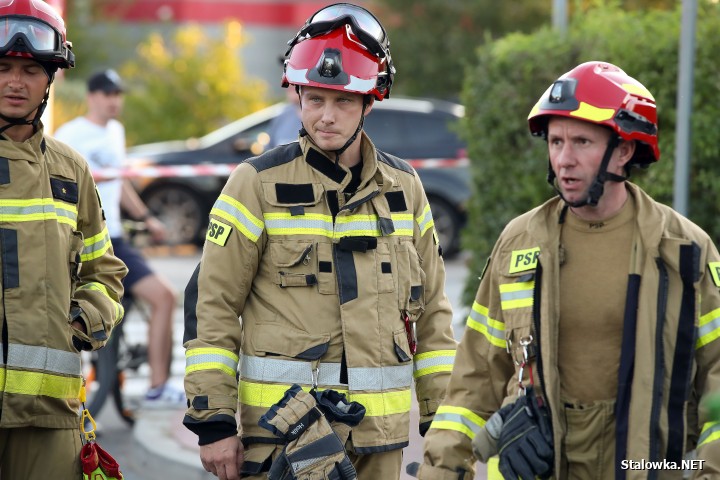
[99, 287]
[516, 295]
[38, 209]
[480, 321]
[376, 404]
[197, 359]
[96, 246]
[638, 90]
[710, 433]
[425, 220]
[433, 362]
[40, 383]
[708, 328]
[283, 223]
[238, 214]
[458, 419]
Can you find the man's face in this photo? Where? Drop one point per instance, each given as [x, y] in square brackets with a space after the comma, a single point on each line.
[330, 116]
[576, 149]
[105, 105]
[23, 83]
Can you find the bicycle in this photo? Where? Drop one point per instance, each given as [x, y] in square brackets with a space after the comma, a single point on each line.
[108, 368]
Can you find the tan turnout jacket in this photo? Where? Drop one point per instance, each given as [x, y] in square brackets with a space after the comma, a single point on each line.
[321, 282]
[670, 360]
[54, 249]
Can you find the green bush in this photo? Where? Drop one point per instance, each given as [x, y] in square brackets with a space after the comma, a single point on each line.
[509, 166]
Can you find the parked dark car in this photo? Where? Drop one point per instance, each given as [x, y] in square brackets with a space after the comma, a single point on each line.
[417, 130]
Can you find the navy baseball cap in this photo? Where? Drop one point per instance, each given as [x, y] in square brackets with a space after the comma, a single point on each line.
[107, 81]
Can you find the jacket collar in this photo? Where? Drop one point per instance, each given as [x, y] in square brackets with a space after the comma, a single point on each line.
[26, 150]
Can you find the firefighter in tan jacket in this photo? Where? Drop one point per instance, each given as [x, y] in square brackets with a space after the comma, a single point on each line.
[61, 284]
[326, 248]
[601, 303]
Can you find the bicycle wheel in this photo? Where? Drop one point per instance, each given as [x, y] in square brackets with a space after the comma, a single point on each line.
[105, 374]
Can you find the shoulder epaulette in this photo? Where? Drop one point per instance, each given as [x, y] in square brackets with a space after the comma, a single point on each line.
[275, 157]
[395, 162]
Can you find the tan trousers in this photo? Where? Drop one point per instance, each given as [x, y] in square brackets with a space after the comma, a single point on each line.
[376, 466]
[32, 453]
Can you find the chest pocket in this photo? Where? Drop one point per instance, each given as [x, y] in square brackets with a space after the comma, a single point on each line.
[516, 288]
[297, 214]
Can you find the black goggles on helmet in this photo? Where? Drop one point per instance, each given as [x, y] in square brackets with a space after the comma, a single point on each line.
[24, 34]
[363, 24]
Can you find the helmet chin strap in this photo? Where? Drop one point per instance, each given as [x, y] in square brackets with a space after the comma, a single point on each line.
[339, 151]
[598, 186]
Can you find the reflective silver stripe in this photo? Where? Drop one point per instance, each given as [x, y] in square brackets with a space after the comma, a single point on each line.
[43, 358]
[456, 418]
[518, 295]
[380, 378]
[425, 220]
[260, 369]
[708, 328]
[434, 362]
[240, 213]
[210, 358]
[273, 224]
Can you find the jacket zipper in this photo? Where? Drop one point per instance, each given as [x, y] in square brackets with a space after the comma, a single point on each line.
[659, 365]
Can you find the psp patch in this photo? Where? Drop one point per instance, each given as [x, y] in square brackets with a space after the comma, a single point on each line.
[218, 232]
[715, 272]
[523, 260]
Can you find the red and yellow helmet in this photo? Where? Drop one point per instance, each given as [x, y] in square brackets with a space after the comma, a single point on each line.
[601, 93]
[341, 47]
[33, 29]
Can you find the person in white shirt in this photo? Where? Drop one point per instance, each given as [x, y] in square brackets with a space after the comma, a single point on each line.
[100, 138]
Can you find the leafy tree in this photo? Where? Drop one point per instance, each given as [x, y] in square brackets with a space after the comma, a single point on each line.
[188, 86]
[510, 74]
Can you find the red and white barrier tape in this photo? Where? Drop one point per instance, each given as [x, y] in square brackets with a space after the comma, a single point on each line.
[224, 170]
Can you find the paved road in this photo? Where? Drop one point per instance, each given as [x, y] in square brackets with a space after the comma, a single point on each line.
[117, 438]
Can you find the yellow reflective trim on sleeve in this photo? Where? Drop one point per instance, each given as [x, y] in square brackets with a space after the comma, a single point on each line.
[708, 328]
[592, 113]
[493, 330]
[710, 433]
[40, 383]
[516, 295]
[458, 419]
[425, 220]
[218, 232]
[436, 361]
[523, 260]
[715, 272]
[96, 246]
[207, 358]
[238, 214]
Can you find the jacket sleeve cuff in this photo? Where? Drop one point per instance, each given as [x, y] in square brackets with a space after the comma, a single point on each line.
[211, 430]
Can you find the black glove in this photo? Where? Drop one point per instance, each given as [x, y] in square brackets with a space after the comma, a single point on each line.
[526, 439]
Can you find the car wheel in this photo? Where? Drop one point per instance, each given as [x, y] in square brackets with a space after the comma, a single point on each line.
[447, 225]
[180, 210]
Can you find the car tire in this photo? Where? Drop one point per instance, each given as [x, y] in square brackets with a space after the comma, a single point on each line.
[180, 210]
[447, 224]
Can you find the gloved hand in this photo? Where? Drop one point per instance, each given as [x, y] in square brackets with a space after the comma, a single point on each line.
[525, 442]
[313, 450]
[484, 444]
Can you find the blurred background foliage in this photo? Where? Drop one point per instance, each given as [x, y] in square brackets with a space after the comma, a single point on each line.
[496, 58]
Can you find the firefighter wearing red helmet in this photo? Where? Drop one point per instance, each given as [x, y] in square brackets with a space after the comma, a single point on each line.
[595, 332]
[326, 249]
[51, 225]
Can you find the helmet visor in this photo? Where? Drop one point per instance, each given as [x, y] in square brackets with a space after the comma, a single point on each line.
[37, 37]
[363, 24]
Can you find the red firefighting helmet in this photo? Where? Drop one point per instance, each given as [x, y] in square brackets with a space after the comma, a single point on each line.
[33, 29]
[341, 47]
[601, 93]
